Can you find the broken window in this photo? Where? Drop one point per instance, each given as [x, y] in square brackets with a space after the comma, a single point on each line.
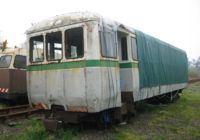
[74, 45]
[54, 46]
[134, 48]
[37, 49]
[108, 43]
[20, 62]
[124, 48]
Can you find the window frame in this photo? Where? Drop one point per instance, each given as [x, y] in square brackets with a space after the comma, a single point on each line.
[15, 59]
[65, 42]
[101, 50]
[31, 49]
[46, 46]
[132, 37]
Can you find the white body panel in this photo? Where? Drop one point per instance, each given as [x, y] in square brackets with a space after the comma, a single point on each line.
[154, 91]
[96, 89]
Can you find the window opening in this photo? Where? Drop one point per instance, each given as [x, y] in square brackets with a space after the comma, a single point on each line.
[37, 49]
[124, 48]
[54, 46]
[74, 44]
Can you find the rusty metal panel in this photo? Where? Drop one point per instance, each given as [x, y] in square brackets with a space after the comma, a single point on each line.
[18, 81]
[14, 80]
[4, 78]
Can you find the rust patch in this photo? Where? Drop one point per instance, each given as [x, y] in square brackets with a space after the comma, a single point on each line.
[40, 106]
[77, 108]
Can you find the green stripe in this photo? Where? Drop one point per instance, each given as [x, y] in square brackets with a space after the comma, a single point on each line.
[81, 64]
[102, 63]
[129, 65]
[74, 64]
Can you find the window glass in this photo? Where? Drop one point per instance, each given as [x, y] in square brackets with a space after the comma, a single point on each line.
[20, 62]
[134, 48]
[5, 61]
[54, 46]
[37, 49]
[108, 43]
[74, 45]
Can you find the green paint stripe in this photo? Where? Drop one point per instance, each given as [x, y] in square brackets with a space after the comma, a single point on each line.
[129, 65]
[74, 64]
[102, 63]
[81, 64]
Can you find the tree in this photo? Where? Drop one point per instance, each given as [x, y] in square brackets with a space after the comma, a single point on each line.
[194, 68]
[197, 63]
[4, 46]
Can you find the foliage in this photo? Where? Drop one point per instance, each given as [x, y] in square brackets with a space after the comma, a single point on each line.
[36, 131]
[194, 68]
[3, 45]
[178, 120]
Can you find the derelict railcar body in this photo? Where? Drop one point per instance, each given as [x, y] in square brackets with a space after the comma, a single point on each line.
[90, 64]
[79, 81]
[13, 74]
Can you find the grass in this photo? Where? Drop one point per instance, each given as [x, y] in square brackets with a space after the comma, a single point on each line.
[36, 131]
[175, 121]
[179, 120]
[2, 105]
[127, 136]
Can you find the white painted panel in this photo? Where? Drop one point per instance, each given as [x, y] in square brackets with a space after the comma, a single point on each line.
[54, 87]
[111, 95]
[126, 80]
[36, 82]
[93, 81]
[74, 87]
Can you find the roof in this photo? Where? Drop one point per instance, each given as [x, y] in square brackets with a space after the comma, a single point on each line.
[72, 18]
[62, 20]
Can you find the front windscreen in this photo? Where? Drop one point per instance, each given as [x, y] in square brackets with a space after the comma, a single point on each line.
[20, 62]
[5, 61]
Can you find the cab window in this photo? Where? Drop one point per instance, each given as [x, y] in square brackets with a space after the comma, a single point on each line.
[20, 62]
[5, 61]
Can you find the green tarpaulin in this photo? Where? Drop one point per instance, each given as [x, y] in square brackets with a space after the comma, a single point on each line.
[159, 62]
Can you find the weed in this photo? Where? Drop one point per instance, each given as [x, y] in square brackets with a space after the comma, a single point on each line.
[128, 136]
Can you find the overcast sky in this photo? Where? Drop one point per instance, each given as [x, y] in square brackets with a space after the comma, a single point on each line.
[174, 21]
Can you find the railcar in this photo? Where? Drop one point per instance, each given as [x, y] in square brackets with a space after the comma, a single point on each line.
[92, 66]
[13, 75]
